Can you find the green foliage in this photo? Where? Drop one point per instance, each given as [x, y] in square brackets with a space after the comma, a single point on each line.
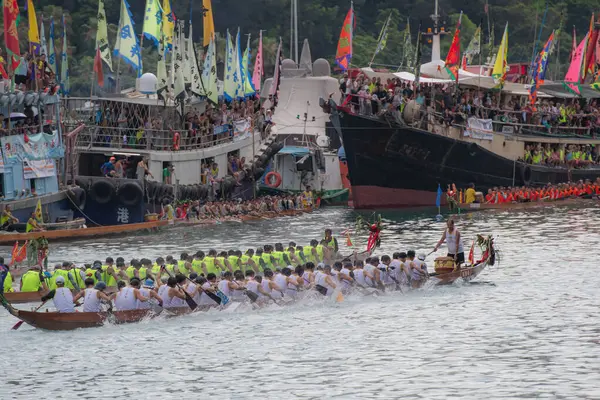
[320, 21]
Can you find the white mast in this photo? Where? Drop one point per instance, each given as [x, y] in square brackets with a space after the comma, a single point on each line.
[435, 48]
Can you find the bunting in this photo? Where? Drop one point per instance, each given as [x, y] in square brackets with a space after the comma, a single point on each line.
[178, 79]
[409, 51]
[43, 44]
[52, 51]
[343, 54]
[168, 24]
[573, 76]
[153, 21]
[11, 36]
[259, 71]
[102, 36]
[247, 87]
[64, 63]
[453, 57]
[277, 73]
[539, 69]
[207, 22]
[127, 46]
[474, 46]
[196, 82]
[499, 71]
[209, 74]
[33, 33]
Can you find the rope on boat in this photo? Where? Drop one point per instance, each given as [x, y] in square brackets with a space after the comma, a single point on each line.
[83, 213]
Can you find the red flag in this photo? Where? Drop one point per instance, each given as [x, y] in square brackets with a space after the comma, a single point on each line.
[590, 51]
[21, 254]
[574, 45]
[11, 36]
[464, 62]
[343, 54]
[453, 57]
[98, 68]
[471, 254]
[13, 253]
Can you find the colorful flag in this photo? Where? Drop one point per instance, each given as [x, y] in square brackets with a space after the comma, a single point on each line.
[408, 54]
[209, 74]
[44, 45]
[208, 22]
[277, 73]
[258, 72]
[196, 82]
[573, 45]
[18, 254]
[178, 79]
[230, 86]
[471, 259]
[11, 35]
[438, 197]
[474, 46]
[127, 46]
[573, 76]
[539, 69]
[247, 86]
[453, 57]
[102, 36]
[153, 21]
[39, 217]
[65, 86]
[238, 78]
[51, 49]
[168, 24]
[98, 68]
[34, 33]
[500, 67]
[343, 54]
[383, 35]
[491, 41]
[589, 65]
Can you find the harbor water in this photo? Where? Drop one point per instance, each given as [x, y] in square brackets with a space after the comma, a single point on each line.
[526, 328]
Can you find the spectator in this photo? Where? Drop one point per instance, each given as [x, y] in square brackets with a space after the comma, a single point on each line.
[108, 168]
[168, 174]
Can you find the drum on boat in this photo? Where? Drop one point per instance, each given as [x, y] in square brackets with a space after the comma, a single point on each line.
[444, 265]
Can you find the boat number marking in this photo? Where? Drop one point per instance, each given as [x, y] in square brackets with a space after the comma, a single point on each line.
[465, 273]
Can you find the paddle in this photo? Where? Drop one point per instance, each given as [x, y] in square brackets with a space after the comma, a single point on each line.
[188, 299]
[18, 324]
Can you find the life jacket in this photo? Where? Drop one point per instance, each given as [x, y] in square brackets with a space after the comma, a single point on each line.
[489, 198]
[8, 281]
[65, 275]
[31, 281]
[181, 267]
[197, 266]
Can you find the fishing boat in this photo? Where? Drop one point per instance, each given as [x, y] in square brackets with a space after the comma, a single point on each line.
[75, 234]
[55, 321]
[398, 159]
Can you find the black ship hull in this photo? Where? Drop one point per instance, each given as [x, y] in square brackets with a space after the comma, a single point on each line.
[393, 166]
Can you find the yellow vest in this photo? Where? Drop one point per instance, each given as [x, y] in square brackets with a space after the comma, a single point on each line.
[197, 266]
[91, 273]
[77, 278]
[108, 279]
[5, 217]
[143, 273]
[156, 270]
[308, 256]
[278, 255]
[256, 260]
[222, 261]
[130, 271]
[181, 267]
[31, 281]
[211, 268]
[267, 259]
[64, 274]
[320, 252]
[8, 281]
[170, 268]
[29, 226]
[234, 261]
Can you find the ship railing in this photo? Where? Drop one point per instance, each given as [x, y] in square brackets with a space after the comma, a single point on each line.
[153, 139]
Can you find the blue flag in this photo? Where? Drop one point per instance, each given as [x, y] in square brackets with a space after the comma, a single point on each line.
[438, 199]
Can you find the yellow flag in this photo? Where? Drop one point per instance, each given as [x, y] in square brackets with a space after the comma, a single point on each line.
[209, 73]
[168, 23]
[152, 20]
[208, 22]
[34, 33]
[101, 36]
[38, 212]
[499, 71]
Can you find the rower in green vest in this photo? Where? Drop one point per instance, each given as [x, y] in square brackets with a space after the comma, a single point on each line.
[181, 264]
[133, 270]
[234, 260]
[258, 261]
[7, 218]
[33, 280]
[8, 281]
[330, 241]
[278, 254]
[299, 252]
[267, 257]
[208, 264]
[32, 224]
[145, 267]
[170, 264]
[310, 252]
[77, 278]
[220, 261]
[63, 270]
[245, 260]
[197, 263]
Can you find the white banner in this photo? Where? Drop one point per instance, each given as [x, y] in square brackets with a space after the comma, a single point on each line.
[479, 129]
[241, 129]
[33, 169]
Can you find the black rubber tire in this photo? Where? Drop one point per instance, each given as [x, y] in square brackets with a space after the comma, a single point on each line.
[130, 193]
[102, 191]
[78, 197]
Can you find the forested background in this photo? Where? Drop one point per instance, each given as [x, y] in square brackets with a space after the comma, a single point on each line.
[320, 21]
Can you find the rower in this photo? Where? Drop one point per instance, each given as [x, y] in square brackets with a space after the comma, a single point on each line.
[62, 296]
[7, 218]
[325, 284]
[192, 288]
[208, 286]
[178, 293]
[417, 274]
[227, 286]
[309, 275]
[147, 291]
[172, 293]
[32, 224]
[454, 243]
[197, 262]
[403, 267]
[246, 261]
[145, 268]
[128, 297]
[359, 276]
[6, 279]
[93, 296]
[330, 241]
[344, 277]
[133, 270]
[181, 264]
[388, 272]
[33, 280]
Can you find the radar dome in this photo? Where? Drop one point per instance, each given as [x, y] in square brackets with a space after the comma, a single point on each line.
[288, 64]
[321, 67]
[148, 83]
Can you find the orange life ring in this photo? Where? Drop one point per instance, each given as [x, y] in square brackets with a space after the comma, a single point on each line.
[176, 138]
[277, 179]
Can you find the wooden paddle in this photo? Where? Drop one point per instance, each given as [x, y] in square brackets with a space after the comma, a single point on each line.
[18, 324]
[188, 299]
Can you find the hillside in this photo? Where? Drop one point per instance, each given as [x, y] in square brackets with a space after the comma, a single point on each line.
[320, 21]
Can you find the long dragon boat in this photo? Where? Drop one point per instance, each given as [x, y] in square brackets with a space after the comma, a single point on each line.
[524, 205]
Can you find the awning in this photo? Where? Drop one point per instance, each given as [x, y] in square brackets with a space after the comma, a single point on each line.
[295, 151]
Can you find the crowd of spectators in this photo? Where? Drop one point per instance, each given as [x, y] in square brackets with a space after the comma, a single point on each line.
[571, 155]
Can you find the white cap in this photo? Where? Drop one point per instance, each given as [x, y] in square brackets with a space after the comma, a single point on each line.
[421, 256]
[60, 279]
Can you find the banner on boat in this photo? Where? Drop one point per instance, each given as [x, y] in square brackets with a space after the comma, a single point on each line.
[241, 129]
[479, 129]
[220, 129]
[33, 169]
[41, 146]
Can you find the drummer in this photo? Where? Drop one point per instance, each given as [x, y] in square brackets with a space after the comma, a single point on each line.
[454, 242]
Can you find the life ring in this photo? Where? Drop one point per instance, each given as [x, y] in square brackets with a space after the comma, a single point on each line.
[275, 175]
[102, 191]
[130, 193]
[176, 140]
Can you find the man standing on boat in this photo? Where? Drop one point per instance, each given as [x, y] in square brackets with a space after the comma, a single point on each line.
[454, 243]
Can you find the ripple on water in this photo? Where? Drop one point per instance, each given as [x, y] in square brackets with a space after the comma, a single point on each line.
[525, 329]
